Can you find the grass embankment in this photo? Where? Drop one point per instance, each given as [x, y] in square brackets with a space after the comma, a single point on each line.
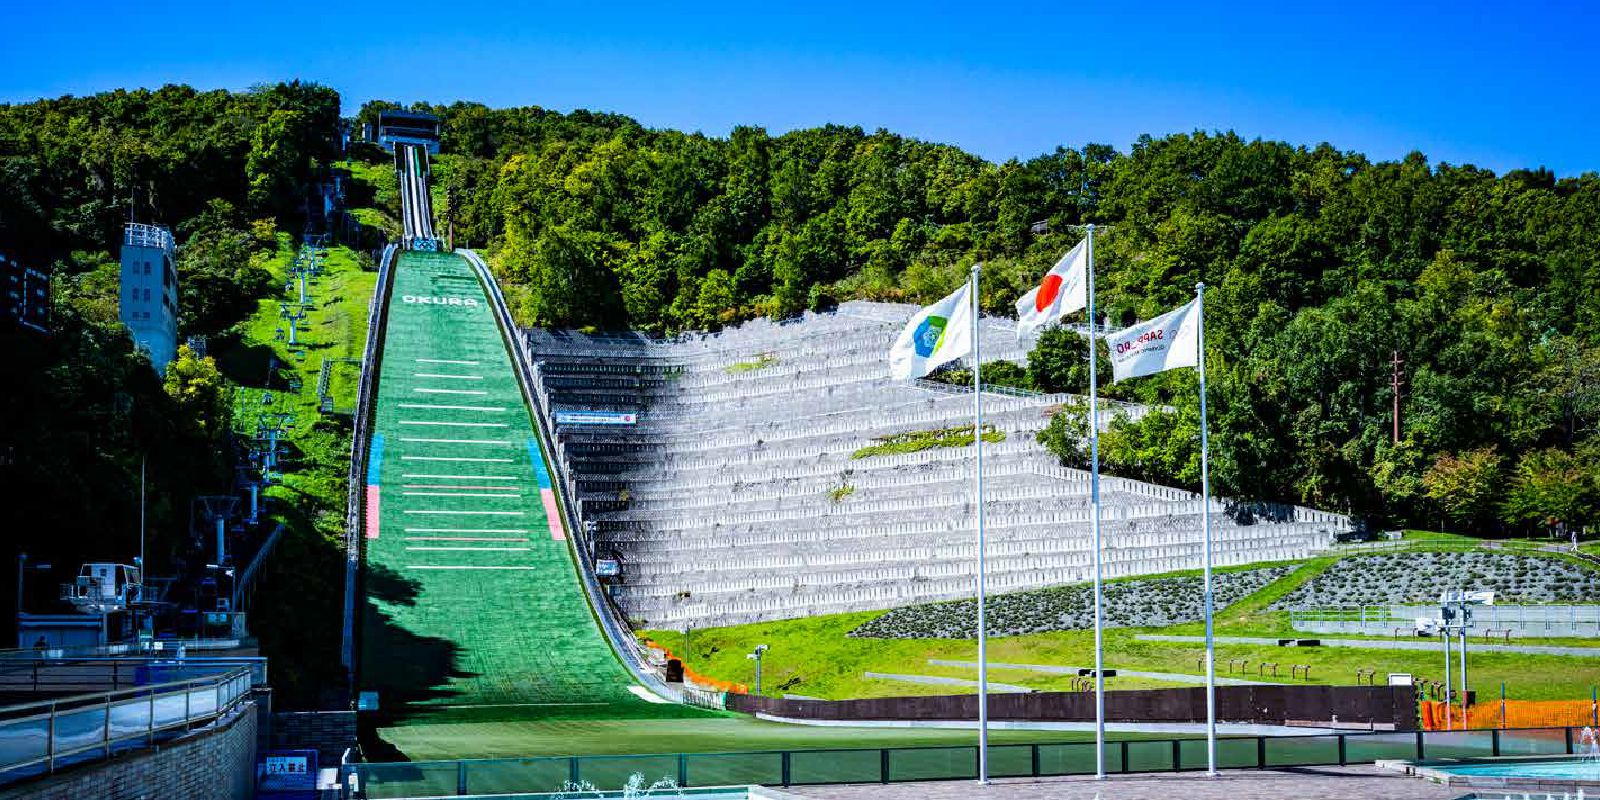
[916, 441]
[378, 184]
[295, 612]
[759, 362]
[815, 657]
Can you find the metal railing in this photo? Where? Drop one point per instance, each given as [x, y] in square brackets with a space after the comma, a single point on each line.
[377, 312]
[44, 675]
[932, 763]
[41, 738]
[606, 613]
[1552, 620]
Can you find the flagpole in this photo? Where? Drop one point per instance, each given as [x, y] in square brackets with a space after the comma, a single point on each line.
[1094, 499]
[1205, 516]
[977, 444]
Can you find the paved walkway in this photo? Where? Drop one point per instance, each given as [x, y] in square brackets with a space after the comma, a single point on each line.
[937, 680]
[1311, 783]
[1397, 644]
[1174, 677]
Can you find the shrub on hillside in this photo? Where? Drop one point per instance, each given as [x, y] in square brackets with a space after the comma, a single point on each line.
[1148, 603]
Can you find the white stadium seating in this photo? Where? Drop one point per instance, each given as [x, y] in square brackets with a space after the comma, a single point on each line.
[727, 501]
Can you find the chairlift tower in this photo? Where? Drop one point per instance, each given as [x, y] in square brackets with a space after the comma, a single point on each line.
[218, 509]
[293, 312]
[252, 483]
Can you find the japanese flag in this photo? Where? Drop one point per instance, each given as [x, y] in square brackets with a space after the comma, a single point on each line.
[1065, 289]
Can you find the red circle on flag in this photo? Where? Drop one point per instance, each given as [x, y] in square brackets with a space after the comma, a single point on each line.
[1047, 292]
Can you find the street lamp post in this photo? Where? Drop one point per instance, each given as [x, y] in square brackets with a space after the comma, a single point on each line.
[755, 656]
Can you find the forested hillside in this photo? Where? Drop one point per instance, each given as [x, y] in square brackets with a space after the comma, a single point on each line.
[227, 172]
[1324, 265]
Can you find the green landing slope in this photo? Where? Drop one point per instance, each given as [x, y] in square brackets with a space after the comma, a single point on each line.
[474, 609]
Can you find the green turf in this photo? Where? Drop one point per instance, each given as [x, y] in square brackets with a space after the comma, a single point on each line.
[717, 735]
[505, 630]
[816, 657]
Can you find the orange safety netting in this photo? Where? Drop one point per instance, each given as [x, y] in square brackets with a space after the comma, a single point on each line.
[1516, 714]
[690, 676]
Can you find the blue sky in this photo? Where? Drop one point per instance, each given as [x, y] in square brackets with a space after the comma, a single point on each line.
[1498, 85]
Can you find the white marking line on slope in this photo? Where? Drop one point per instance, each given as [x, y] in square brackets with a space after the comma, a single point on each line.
[462, 477]
[463, 530]
[457, 424]
[460, 486]
[647, 695]
[466, 539]
[449, 391]
[420, 566]
[445, 361]
[468, 513]
[495, 442]
[449, 458]
[461, 494]
[453, 408]
[472, 549]
[450, 377]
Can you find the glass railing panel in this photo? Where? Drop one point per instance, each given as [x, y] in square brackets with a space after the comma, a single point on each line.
[1076, 759]
[23, 740]
[613, 773]
[1231, 753]
[202, 702]
[835, 766]
[932, 763]
[1457, 744]
[1291, 751]
[1539, 742]
[169, 709]
[505, 776]
[1150, 756]
[735, 769]
[1010, 760]
[1369, 747]
[381, 781]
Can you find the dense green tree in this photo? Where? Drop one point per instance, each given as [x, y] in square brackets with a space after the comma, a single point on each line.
[199, 392]
[1550, 486]
[1465, 487]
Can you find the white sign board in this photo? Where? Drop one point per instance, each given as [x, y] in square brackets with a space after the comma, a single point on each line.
[596, 418]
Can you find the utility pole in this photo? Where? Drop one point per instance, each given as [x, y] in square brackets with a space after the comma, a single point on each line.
[1394, 383]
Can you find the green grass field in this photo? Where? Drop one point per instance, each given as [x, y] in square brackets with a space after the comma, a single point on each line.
[816, 657]
[710, 735]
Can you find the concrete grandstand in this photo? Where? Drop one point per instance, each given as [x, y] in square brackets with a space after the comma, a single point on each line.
[733, 497]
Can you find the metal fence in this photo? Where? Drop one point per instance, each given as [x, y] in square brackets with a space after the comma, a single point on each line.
[70, 676]
[40, 738]
[1498, 621]
[898, 764]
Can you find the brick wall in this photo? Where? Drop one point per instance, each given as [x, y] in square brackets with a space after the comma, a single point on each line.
[218, 762]
[327, 732]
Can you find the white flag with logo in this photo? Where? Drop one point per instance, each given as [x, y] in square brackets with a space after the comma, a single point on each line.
[1169, 341]
[937, 335]
[1065, 289]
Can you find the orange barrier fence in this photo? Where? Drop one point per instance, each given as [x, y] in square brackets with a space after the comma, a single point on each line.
[690, 676]
[1516, 714]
